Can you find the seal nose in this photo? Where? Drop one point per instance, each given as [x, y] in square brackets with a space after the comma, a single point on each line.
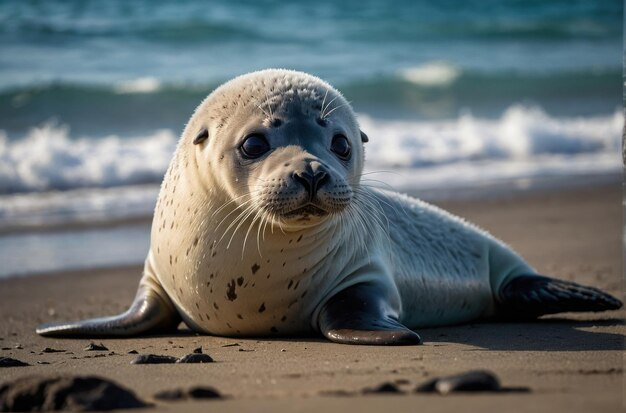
[312, 178]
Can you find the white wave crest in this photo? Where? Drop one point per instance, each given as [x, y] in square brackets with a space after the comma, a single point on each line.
[521, 133]
[431, 74]
[140, 85]
[47, 158]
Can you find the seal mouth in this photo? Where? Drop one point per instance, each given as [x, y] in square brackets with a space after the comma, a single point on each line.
[305, 211]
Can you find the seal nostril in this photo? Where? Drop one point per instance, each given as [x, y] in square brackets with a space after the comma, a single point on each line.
[319, 179]
[305, 179]
[311, 182]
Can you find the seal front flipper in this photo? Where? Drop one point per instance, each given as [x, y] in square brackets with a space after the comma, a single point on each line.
[531, 296]
[361, 315]
[151, 312]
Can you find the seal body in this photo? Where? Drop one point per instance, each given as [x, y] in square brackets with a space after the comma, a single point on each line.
[263, 226]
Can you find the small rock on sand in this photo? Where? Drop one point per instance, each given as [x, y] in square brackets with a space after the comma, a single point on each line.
[153, 359]
[95, 347]
[195, 358]
[384, 388]
[9, 362]
[471, 381]
[199, 392]
[87, 393]
[52, 350]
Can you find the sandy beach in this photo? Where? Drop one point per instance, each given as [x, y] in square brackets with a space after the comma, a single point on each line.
[567, 362]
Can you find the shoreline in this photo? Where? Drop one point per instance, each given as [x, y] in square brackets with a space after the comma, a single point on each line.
[569, 362]
[72, 242]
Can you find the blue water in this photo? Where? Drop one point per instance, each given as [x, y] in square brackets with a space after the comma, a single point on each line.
[67, 59]
[456, 96]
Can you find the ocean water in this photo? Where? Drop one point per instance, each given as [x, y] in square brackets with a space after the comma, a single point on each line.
[456, 96]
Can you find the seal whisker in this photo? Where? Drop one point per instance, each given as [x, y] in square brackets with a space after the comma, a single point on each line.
[322, 107]
[324, 115]
[379, 199]
[232, 201]
[383, 183]
[335, 108]
[241, 222]
[258, 233]
[234, 222]
[237, 208]
[243, 247]
[374, 212]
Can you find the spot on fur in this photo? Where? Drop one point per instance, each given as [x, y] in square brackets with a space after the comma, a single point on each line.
[255, 268]
[262, 308]
[230, 291]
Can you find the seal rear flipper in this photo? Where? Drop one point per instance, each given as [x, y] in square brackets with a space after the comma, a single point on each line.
[360, 315]
[150, 312]
[531, 296]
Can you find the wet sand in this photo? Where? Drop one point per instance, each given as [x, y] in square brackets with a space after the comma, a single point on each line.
[569, 362]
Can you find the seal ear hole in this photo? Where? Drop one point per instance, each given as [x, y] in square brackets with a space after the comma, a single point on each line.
[364, 137]
[201, 137]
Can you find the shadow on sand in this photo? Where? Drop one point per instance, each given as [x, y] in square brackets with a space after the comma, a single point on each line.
[553, 334]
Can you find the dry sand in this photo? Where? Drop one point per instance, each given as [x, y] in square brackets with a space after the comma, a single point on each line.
[570, 363]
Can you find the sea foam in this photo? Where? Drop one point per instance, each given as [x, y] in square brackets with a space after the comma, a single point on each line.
[48, 159]
[431, 74]
[49, 178]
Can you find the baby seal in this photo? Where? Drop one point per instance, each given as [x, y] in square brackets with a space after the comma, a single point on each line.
[263, 227]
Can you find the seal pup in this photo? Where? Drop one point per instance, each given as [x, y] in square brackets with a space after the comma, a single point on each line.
[263, 226]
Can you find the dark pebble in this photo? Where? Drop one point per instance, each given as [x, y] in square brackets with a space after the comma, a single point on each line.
[19, 347]
[9, 362]
[133, 352]
[204, 393]
[337, 393]
[383, 388]
[52, 350]
[197, 350]
[43, 362]
[231, 345]
[6, 348]
[87, 393]
[243, 349]
[195, 358]
[471, 381]
[176, 394]
[193, 393]
[95, 347]
[153, 359]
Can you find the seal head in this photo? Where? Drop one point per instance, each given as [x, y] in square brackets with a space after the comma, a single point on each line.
[286, 144]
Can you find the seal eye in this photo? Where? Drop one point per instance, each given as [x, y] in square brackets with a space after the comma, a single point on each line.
[341, 146]
[254, 146]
